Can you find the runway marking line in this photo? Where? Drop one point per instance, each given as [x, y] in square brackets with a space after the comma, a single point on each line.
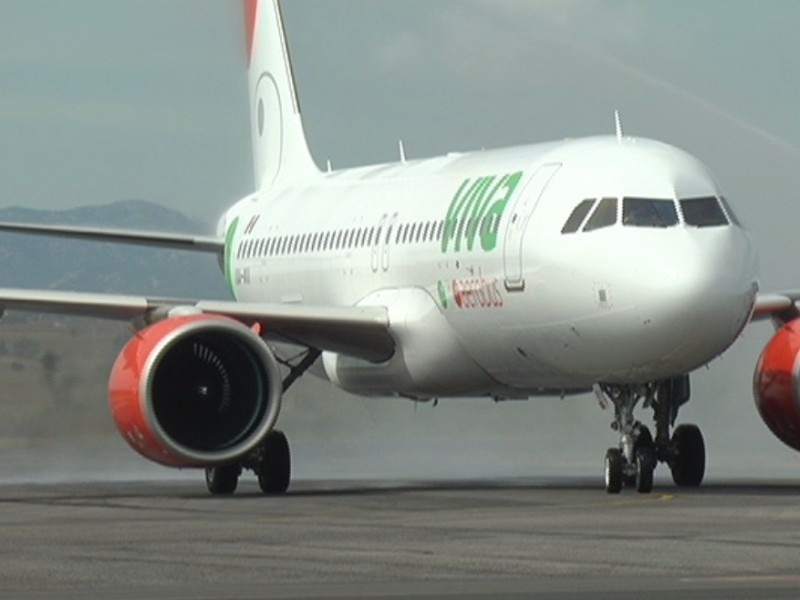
[724, 579]
[644, 498]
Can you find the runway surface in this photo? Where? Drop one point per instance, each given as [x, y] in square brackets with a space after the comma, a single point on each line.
[540, 539]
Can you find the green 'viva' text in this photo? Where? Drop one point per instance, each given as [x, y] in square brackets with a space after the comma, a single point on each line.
[476, 210]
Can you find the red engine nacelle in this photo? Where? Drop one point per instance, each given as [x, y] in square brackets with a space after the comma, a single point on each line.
[776, 384]
[195, 391]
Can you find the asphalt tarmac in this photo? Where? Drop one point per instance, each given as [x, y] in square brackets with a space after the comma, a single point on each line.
[543, 539]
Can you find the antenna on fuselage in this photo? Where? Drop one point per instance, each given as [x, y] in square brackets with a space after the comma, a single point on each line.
[618, 125]
[402, 151]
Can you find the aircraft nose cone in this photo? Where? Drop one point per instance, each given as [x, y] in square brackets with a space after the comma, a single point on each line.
[701, 296]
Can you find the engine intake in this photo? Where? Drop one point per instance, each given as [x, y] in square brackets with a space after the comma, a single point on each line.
[776, 384]
[197, 390]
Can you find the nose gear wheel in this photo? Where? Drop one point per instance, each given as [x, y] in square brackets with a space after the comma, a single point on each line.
[633, 462]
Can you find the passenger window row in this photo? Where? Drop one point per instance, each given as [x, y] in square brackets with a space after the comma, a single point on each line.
[343, 239]
[707, 211]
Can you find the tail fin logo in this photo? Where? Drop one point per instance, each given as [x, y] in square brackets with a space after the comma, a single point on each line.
[250, 9]
[280, 152]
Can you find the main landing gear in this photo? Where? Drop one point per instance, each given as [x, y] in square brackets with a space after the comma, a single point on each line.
[633, 462]
[271, 460]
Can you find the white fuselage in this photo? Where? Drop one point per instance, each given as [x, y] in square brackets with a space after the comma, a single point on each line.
[485, 294]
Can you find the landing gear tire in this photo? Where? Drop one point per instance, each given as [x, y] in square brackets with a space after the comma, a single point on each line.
[223, 480]
[275, 467]
[645, 465]
[687, 456]
[614, 465]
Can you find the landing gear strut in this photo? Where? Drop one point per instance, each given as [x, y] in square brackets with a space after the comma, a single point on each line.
[633, 462]
[271, 460]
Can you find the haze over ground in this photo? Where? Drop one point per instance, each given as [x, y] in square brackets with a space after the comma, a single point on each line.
[103, 101]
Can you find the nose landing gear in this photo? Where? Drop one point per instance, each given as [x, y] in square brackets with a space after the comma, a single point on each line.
[634, 461]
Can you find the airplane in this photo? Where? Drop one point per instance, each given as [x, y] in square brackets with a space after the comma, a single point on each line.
[606, 264]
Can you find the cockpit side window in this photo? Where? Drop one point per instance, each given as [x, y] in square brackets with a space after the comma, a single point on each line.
[604, 215]
[578, 215]
[648, 212]
[729, 211]
[703, 212]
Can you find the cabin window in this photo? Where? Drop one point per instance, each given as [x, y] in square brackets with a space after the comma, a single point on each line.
[577, 216]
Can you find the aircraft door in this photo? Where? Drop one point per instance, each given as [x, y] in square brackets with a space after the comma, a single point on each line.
[520, 215]
[385, 241]
[376, 244]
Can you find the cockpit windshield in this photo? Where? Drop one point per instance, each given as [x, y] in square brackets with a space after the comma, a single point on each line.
[707, 211]
[647, 212]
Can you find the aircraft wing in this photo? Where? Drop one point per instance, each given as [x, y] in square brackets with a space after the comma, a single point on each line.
[125, 236]
[361, 332]
[779, 306]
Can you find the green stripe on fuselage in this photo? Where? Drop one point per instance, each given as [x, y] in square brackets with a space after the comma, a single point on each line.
[229, 266]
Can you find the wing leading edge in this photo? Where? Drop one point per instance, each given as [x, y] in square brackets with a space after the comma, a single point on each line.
[173, 241]
[361, 332]
[781, 307]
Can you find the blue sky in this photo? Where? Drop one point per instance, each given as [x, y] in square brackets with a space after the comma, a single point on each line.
[104, 100]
